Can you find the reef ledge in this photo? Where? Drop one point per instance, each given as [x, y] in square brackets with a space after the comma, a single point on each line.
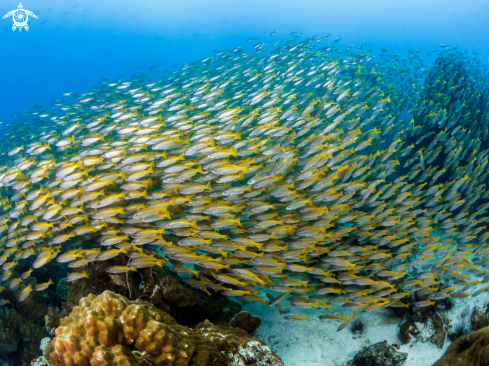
[110, 329]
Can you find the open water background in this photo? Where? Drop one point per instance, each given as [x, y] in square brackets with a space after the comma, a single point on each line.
[74, 44]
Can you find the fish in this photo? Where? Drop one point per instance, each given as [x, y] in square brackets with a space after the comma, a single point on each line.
[119, 269]
[424, 303]
[111, 253]
[24, 294]
[296, 317]
[76, 276]
[346, 322]
[43, 286]
[276, 299]
[287, 170]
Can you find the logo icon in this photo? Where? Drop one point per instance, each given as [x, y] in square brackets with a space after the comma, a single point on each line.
[20, 17]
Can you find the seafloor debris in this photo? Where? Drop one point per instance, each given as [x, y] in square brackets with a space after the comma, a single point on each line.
[407, 330]
[110, 329]
[439, 330]
[379, 354]
[424, 323]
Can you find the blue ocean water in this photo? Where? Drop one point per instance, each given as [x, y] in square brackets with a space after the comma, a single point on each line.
[74, 44]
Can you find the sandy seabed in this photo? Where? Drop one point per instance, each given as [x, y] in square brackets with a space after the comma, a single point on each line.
[316, 342]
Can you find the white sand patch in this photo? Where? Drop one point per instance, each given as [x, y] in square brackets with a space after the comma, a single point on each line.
[316, 342]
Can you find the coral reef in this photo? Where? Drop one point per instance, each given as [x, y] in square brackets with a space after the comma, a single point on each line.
[254, 354]
[161, 287]
[62, 290]
[41, 360]
[46, 352]
[246, 321]
[9, 338]
[34, 308]
[379, 354]
[99, 281]
[471, 349]
[109, 329]
[19, 337]
[44, 343]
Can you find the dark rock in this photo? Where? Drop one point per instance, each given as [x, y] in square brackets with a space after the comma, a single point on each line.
[33, 308]
[217, 309]
[160, 286]
[246, 321]
[51, 319]
[379, 354]
[97, 282]
[479, 318]
[9, 339]
[19, 338]
[177, 294]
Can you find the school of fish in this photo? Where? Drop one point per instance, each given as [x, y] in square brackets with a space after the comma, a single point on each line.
[326, 175]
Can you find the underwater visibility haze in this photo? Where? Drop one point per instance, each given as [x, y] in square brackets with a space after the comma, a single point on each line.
[244, 183]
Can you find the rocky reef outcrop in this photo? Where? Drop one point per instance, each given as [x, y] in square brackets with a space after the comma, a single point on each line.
[379, 354]
[110, 329]
[19, 337]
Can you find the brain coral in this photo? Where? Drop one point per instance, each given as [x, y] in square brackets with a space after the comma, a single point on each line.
[109, 329]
